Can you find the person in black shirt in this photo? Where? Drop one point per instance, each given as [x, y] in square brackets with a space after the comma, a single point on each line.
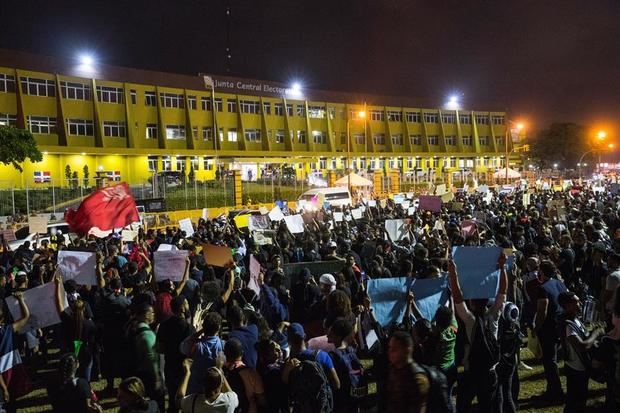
[170, 335]
[68, 393]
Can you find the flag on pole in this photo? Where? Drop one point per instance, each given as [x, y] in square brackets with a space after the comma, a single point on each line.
[11, 367]
[208, 82]
[104, 210]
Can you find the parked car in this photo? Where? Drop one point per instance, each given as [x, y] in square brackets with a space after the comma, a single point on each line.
[23, 234]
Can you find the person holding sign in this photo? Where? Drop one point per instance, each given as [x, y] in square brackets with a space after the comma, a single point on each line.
[6, 336]
[482, 350]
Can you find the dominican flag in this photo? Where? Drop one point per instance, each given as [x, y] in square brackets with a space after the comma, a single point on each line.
[42, 176]
[11, 367]
[114, 176]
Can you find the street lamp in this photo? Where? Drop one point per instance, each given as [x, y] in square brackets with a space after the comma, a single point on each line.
[520, 127]
[361, 116]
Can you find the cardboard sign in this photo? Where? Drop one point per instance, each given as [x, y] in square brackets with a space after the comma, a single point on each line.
[259, 222]
[356, 213]
[276, 214]
[205, 214]
[8, 235]
[186, 225]
[526, 199]
[406, 205]
[338, 216]
[254, 273]
[262, 239]
[455, 206]
[410, 210]
[169, 265]
[295, 223]
[166, 247]
[242, 221]
[483, 189]
[477, 271]
[263, 210]
[430, 203]
[41, 302]
[78, 266]
[397, 229]
[217, 256]
[468, 227]
[447, 197]
[399, 199]
[440, 190]
[38, 224]
[388, 297]
[429, 294]
[383, 203]
[129, 235]
[372, 203]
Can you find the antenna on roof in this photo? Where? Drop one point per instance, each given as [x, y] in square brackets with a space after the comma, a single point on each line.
[228, 28]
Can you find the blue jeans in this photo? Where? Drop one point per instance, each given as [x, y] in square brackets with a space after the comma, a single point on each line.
[451, 375]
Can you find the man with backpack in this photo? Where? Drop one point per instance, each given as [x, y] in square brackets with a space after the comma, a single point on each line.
[482, 351]
[243, 380]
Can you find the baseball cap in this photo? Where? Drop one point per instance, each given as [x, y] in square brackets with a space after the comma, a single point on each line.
[295, 329]
[332, 244]
[327, 279]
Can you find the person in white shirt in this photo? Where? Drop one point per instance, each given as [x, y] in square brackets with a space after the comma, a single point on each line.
[217, 397]
[611, 283]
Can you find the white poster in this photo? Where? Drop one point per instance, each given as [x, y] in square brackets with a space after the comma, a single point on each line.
[526, 199]
[410, 210]
[169, 265]
[396, 228]
[338, 216]
[78, 266]
[41, 302]
[406, 205]
[38, 224]
[254, 273]
[263, 210]
[295, 223]
[166, 247]
[186, 225]
[276, 214]
[372, 203]
[205, 214]
[356, 213]
[129, 235]
[440, 190]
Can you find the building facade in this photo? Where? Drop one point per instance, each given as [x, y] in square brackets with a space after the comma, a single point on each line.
[126, 124]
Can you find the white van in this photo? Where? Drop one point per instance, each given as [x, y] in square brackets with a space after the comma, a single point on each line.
[336, 197]
[23, 234]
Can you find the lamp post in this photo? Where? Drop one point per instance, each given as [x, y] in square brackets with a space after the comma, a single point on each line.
[601, 136]
[361, 115]
[520, 127]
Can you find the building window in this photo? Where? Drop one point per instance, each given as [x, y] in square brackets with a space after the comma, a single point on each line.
[7, 83]
[134, 96]
[108, 94]
[433, 140]
[249, 106]
[207, 134]
[252, 135]
[447, 117]
[80, 127]
[465, 119]
[151, 131]
[322, 163]
[301, 110]
[280, 133]
[377, 115]
[7, 119]
[205, 103]
[430, 118]
[38, 87]
[218, 104]
[451, 140]
[175, 132]
[412, 117]
[195, 132]
[267, 108]
[289, 109]
[301, 136]
[484, 140]
[278, 109]
[150, 99]
[166, 163]
[499, 140]
[319, 136]
[72, 90]
[415, 139]
[497, 120]
[331, 112]
[482, 119]
[193, 162]
[191, 102]
[42, 124]
[232, 135]
[343, 138]
[181, 163]
[207, 164]
[152, 163]
[359, 138]
[232, 106]
[172, 100]
[397, 139]
[467, 141]
[114, 129]
[395, 116]
[316, 112]
[378, 138]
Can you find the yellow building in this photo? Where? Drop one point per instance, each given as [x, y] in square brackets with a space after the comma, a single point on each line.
[125, 124]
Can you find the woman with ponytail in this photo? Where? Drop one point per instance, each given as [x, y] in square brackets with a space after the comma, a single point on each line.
[68, 393]
[132, 399]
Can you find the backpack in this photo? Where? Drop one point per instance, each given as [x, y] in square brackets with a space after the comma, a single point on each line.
[484, 349]
[510, 340]
[438, 400]
[132, 335]
[238, 386]
[309, 388]
[586, 357]
[355, 380]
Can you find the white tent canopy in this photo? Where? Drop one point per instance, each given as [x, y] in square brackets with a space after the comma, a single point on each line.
[355, 179]
[512, 174]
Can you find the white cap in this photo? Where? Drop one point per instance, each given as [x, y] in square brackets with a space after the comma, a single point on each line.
[327, 279]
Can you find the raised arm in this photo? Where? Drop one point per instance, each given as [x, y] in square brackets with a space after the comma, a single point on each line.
[17, 325]
[100, 279]
[500, 298]
[59, 297]
[229, 289]
[181, 285]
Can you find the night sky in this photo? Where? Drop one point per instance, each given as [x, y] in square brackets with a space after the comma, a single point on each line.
[543, 61]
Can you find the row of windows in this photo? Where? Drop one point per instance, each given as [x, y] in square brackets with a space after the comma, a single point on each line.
[166, 162]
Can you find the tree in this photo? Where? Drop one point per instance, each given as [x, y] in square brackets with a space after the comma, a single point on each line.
[68, 174]
[74, 179]
[561, 143]
[17, 145]
[86, 174]
[192, 175]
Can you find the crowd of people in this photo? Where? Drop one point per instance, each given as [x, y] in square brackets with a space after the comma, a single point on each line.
[310, 342]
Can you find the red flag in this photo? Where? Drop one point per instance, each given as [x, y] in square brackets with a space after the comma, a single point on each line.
[105, 209]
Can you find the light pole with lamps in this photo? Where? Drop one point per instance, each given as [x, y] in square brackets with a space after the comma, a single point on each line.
[519, 127]
[580, 164]
[360, 115]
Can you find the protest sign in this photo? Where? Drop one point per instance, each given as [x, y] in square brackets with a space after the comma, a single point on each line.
[316, 268]
[477, 270]
[447, 197]
[294, 223]
[372, 203]
[254, 273]
[8, 235]
[169, 265]
[41, 302]
[242, 221]
[166, 247]
[78, 266]
[468, 227]
[38, 224]
[526, 199]
[483, 189]
[430, 203]
[489, 197]
[396, 229]
[440, 226]
[410, 210]
[263, 210]
[429, 294]
[389, 298]
[398, 199]
[480, 216]
[455, 206]
[383, 203]
[356, 213]
[338, 216]
[205, 214]
[614, 189]
[129, 235]
[259, 222]
[440, 190]
[406, 205]
[276, 214]
[262, 239]
[216, 255]
[186, 225]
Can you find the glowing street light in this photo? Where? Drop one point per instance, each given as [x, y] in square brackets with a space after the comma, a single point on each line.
[555, 166]
[86, 59]
[295, 90]
[361, 114]
[601, 135]
[611, 146]
[453, 102]
[520, 126]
